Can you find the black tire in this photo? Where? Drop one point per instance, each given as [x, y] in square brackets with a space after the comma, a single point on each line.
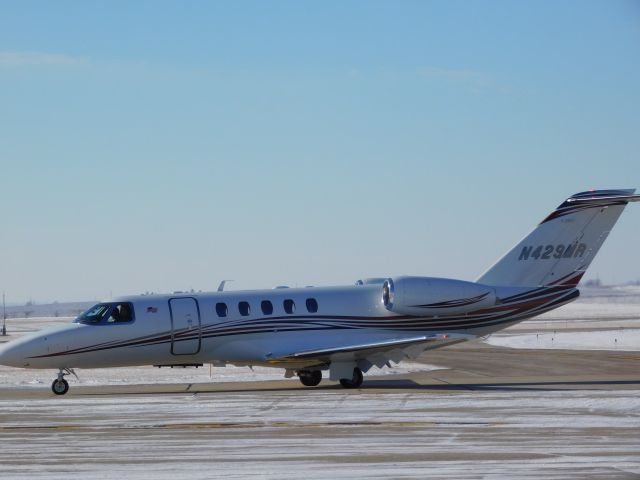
[354, 382]
[310, 378]
[60, 387]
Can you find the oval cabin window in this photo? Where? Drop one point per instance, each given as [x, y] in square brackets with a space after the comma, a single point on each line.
[312, 305]
[244, 308]
[289, 306]
[221, 309]
[267, 307]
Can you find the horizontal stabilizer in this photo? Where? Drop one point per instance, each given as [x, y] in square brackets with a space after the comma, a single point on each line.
[606, 199]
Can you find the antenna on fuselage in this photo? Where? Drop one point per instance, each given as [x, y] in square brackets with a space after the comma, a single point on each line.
[222, 284]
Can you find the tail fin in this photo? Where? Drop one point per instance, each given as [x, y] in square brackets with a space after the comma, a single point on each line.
[561, 248]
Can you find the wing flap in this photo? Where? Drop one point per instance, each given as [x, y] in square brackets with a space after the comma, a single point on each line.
[372, 348]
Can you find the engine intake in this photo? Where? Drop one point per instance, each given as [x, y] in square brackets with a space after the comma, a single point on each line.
[435, 296]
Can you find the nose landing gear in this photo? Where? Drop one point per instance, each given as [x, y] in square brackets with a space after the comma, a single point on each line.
[60, 386]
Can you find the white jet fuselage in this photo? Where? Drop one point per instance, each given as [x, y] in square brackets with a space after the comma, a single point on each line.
[187, 329]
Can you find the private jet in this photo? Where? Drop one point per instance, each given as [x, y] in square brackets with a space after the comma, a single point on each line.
[344, 330]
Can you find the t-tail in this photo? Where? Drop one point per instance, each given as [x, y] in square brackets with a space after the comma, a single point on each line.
[561, 248]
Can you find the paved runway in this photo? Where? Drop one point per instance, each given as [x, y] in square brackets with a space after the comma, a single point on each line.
[493, 413]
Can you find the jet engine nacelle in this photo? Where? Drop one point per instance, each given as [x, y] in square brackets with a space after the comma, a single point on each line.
[435, 296]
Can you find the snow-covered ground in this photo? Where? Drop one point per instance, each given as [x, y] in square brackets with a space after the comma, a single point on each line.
[325, 434]
[622, 339]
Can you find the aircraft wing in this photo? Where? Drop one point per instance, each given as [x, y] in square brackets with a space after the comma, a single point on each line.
[374, 353]
[366, 347]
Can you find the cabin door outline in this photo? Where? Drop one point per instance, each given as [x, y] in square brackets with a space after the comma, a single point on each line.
[186, 332]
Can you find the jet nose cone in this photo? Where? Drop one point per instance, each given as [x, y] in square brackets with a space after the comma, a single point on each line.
[11, 356]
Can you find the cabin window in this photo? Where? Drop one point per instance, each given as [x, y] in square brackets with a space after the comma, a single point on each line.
[267, 307]
[221, 309]
[289, 305]
[312, 305]
[107, 314]
[244, 308]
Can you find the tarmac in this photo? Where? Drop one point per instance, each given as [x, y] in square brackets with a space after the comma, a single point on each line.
[491, 412]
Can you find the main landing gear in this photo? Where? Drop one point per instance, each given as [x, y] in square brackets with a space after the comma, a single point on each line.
[60, 386]
[312, 378]
[353, 382]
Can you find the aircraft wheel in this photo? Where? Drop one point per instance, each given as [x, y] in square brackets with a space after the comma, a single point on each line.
[310, 378]
[354, 382]
[60, 386]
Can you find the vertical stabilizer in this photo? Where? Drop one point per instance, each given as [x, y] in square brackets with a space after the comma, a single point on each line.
[561, 248]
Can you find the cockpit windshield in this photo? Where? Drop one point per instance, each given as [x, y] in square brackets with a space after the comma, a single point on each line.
[106, 314]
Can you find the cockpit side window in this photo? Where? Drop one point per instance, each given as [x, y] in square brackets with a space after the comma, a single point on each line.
[120, 313]
[107, 314]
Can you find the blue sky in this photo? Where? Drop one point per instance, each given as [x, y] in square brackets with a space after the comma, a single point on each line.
[160, 146]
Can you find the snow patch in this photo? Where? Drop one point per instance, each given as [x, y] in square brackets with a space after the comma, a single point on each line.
[624, 340]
